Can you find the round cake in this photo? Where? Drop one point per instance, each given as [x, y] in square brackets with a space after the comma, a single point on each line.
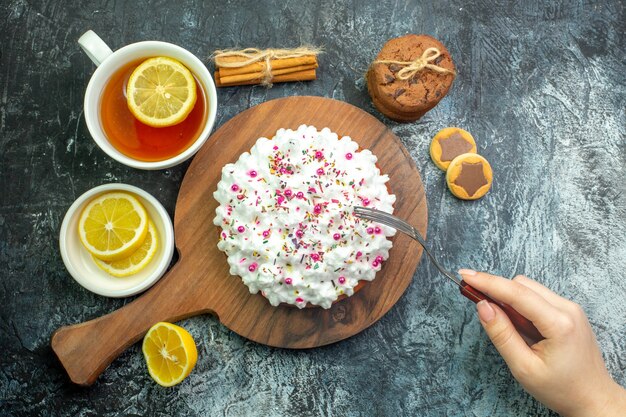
[286, 213]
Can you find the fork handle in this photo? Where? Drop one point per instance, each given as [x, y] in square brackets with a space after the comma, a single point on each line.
[525, 327]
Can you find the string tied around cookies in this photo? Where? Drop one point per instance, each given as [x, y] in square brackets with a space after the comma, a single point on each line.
[410, 68]
[239, 58]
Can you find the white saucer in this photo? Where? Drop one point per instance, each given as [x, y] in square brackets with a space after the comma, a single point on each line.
[84, 270]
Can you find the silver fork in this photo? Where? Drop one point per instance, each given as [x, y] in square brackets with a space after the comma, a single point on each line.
[528, 331]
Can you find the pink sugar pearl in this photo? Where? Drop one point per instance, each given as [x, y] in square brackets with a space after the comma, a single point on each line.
[240, 197]
[275, 147]
[280, 199]
[288, 193]
[241, 229]
[299, 233]
[266, 233]
[288, 281]
[377, 230]
[320, 171]
[252, 267]
[375, 264]
[299, 300]
[379, 259]
[315, 257]
[359, 254]
[366, 202]
[348, 156]
[370, 230]
[319, 155]
[253, 173]
[282, 170]
[317, 209]
[234, 187]
[342, 280]
[300, 194]
[336, 236]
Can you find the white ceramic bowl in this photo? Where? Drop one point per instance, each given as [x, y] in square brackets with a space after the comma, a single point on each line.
[85, 271]
[108, 62]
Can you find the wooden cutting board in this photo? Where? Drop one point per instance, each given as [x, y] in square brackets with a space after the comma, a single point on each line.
[200, 282]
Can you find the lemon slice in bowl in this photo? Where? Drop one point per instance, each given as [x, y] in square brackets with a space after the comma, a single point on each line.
[113, 226]
[161, 92]
[170, 353]
[135, 262]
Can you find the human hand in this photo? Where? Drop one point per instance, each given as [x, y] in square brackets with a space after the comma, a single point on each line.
[565, 371]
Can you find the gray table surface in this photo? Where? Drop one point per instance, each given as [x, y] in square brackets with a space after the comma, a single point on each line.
[541, 86]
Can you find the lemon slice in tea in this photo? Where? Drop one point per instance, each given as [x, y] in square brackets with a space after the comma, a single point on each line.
[135, 262]
[161, 92]
[113, 226]
[170, 353]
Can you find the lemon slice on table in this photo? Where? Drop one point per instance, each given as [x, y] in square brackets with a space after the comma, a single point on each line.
[113, 226]
[135, 262]
[170, 353]
[161, 92]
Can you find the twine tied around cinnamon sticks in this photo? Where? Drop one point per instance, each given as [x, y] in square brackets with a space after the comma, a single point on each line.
[263, 66]
[413, 67]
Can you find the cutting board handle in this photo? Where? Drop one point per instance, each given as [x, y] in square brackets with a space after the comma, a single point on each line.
[86, 349]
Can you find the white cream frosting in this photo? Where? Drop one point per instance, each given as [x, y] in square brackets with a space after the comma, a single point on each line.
[286, 213]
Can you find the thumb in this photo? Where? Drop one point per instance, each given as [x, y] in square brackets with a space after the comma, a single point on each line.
[504, 337]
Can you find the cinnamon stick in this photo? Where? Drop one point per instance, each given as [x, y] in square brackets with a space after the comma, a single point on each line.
[306, 75]
[275, 64]
[258, 76]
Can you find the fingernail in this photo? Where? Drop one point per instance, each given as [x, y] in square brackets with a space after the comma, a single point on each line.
[469, 272]
[485, 311]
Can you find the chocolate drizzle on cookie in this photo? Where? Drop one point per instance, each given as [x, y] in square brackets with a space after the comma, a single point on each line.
[453, 146]
[471, 178]
[394, 68]
[389, 79]
[398, 92]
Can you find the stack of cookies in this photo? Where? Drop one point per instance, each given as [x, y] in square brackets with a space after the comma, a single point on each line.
[410, 75]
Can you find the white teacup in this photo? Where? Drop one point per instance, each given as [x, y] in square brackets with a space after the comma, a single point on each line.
[109, 62]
